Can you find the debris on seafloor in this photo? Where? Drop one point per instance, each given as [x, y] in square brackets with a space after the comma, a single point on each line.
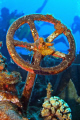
[69, 94]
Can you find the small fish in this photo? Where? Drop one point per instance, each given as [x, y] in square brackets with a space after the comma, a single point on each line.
[11, 61]
[69, 50]
[0, 44]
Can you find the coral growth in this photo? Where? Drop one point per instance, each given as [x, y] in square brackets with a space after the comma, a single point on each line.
[2, 62]
[55, 108]
[9, 103]
[6, 96]
[8, 79]
[9, 111]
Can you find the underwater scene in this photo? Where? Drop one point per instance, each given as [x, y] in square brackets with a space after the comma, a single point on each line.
[39, 60]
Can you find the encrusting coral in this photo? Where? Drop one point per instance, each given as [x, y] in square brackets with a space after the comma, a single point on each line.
[9, 103]
[55, 108]
[6, 96]
[7, 79]
[9, 111]
[2, 64]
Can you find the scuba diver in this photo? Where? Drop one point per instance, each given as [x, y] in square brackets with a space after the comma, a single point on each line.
[39, 10]
[76, 25]
[25, 29]
[5, 21]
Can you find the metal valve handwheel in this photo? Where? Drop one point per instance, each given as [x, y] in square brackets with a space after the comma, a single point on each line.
[40, 47]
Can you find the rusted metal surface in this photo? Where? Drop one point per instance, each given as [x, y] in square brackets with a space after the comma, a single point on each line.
[40, 48]
[60, 28]
[30, 82]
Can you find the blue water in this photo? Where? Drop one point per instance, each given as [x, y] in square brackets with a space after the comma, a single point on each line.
[64, 11]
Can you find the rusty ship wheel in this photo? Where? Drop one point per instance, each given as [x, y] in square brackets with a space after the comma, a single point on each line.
[40, 47]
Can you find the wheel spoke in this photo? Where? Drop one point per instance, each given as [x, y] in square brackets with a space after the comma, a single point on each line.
[36, 59]
[26, 45]
[33, 30]
[58, 54]
[40, 47]
[55, 34]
